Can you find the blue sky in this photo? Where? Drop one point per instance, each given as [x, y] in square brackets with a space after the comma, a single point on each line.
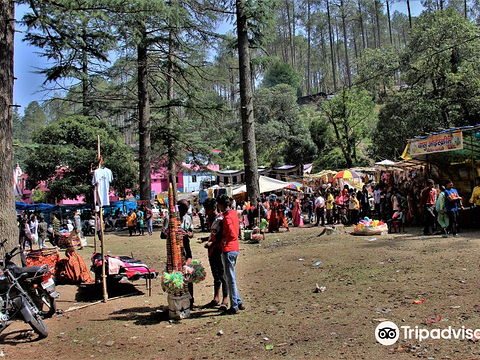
[27, 61]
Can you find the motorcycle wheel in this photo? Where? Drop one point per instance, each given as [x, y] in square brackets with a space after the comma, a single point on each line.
[44, 302]
[36, 321]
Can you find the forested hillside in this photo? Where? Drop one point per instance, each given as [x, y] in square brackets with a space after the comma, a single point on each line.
[168, 79]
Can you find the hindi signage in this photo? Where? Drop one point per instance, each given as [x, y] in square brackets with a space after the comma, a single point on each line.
[437, 143]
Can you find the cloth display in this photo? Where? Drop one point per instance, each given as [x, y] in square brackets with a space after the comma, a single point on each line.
[102, 178]
[114, 265]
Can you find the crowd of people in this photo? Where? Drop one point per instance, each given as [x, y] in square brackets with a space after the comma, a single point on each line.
[435, 206]
[139, 219]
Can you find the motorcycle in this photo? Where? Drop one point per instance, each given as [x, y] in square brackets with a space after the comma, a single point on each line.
[38, 283]
[15, 300]
[88, 227]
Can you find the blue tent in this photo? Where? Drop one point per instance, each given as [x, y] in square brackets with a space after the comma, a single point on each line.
[46, 208]
[20, 206]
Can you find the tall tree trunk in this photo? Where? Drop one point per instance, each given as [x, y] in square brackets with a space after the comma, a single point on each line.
[322, 44]
[409, 14]
[8, 221]
[337, 51]
[309, 30]
[85, 102]
[354, 38]
[344, 28]
[232, 88]
[374, 31]
[465, 9]
[144, 118]
[332, 55]
[172, 171]
[290, 35]
[366, 37]
[294, 32]
[377, 19]
[246, 101]
[361, 23]
[389, 23]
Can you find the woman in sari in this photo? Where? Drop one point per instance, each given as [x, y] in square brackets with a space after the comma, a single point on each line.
[273, 218]
[297, 213]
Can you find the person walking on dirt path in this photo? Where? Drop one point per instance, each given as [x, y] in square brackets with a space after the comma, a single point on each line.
[77, 226]
[452, 205]
[56, 230]
[428, 199]
[131, 222]
[140, 221]
[42, 231]
[149, 220]
[329, 205]
[230, 248]
[442, 215]
[214, 246]
[319, 210]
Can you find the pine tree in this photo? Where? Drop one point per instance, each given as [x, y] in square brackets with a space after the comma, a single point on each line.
[7, 201]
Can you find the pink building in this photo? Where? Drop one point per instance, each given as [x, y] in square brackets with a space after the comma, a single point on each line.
[160, 180]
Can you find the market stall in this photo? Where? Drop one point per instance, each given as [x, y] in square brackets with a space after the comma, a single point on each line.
[449, 154]
[452, 154]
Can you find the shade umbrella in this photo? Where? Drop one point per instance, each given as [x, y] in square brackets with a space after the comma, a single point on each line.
[293, 186]
[347, 174]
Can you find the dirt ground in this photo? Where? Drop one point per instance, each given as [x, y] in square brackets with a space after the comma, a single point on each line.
[365, 282]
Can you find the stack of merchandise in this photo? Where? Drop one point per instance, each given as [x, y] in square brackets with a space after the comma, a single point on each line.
[48, 256]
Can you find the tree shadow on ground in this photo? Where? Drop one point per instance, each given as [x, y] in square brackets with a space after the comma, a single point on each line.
[94, 292]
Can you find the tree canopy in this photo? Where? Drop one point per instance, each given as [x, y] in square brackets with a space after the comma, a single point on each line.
[66, 153]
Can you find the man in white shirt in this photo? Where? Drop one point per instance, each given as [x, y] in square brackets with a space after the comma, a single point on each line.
[320, 209]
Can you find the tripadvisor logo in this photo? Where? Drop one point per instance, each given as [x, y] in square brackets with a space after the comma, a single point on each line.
[387, 333]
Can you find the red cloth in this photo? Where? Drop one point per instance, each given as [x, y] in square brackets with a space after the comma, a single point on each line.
[72, 269]
[230, 231]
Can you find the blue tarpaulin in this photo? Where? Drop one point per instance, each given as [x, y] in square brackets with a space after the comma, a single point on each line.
[40, 207]
[47, 208]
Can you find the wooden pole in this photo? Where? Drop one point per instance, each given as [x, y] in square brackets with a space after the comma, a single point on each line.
[95, 234]
[102, 241]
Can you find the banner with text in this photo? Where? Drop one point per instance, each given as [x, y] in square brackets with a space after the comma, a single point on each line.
[437, 143]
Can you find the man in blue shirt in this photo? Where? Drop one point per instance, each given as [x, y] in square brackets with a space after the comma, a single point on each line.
[452, 204]
[202, 194]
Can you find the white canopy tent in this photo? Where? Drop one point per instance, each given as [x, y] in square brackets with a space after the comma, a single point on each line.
[385, 163]
[266, 185]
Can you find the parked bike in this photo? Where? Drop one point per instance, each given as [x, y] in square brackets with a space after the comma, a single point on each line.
[38, 282]
[88, 227]
[15, 301]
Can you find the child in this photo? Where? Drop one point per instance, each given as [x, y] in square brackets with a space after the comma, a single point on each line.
[397, 216]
